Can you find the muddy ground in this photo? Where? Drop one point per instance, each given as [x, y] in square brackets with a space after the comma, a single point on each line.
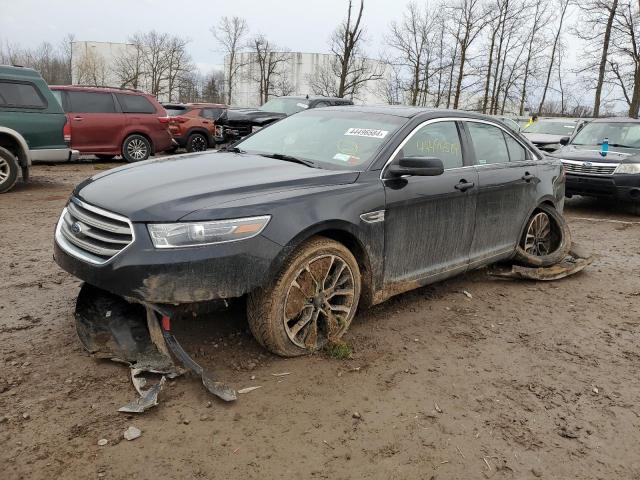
[523, 380]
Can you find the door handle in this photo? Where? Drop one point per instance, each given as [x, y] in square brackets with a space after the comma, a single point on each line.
[527, 177]
[463, 185]
[77, 119]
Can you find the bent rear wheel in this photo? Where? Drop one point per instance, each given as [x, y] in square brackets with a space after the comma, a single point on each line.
[136, 148]
[546, 239]
[311, 302]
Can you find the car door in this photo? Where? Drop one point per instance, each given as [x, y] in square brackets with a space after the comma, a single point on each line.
[507, 180]
[429, 221]
[96, 124]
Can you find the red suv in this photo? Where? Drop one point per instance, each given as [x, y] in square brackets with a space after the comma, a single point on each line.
[106, 122]
[193, 125]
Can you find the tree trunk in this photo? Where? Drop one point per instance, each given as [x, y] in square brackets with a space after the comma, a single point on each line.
[603, 58]
[553, 56]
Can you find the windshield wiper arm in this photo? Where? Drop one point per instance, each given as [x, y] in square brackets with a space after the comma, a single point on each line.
[619, 145]
[289, 158]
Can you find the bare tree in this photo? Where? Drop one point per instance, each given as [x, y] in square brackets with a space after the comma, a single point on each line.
[533, 47]
[626, 46]
[269, 62]
[230, 34]
[178, 64]
[562, 6]
[128, 68]
[472, 22]
[90, 68]
[410, 40]
[349, 70]
[594, 28]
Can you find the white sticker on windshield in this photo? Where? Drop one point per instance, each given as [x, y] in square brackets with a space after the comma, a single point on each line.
[366, 132]
[302, 105]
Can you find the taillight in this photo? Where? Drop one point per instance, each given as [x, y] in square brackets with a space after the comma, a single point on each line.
[66, 132]
[164, 119]
[178, 119]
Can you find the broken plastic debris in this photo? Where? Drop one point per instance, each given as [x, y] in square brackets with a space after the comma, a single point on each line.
[249, 389]
[147, 398]
[132, 433]
[281, 374]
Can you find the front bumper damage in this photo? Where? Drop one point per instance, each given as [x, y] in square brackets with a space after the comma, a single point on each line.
[111, 327]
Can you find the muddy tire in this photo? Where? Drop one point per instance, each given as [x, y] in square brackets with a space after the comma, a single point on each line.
[9, 169]
[136, 148]
[312, 300]
[546, 239]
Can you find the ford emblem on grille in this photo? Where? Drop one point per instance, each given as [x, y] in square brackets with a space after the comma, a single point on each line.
[587, 164]
[76, 228]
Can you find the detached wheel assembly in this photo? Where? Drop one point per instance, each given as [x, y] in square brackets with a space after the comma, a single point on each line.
[136, 148]
[546, 239]
[311, 302]
[8, 170]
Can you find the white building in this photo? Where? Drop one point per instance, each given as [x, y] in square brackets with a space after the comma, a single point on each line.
[93, 62]
[296, 72]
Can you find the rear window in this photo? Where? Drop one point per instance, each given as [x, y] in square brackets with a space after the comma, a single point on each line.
[90, 102]
[135, 104]
[23, 95]
[175, 111]
[212, 113]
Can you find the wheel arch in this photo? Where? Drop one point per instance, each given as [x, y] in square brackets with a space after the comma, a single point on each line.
[16, 144]
[344, 233]
[546, 200]
[142, 134]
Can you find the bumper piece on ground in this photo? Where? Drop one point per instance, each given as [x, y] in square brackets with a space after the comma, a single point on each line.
[110, 327]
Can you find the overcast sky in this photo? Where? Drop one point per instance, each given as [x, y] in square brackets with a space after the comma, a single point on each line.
[296, 24]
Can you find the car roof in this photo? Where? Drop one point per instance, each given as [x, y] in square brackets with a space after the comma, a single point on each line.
[314, 97]
[410, 112]
[615, 120]
[91, 88]
[194, 104]
[16, 71]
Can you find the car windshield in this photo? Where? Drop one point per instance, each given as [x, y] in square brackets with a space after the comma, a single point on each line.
[619, 133]
[334, 140]
[287, 106]
[551, 128]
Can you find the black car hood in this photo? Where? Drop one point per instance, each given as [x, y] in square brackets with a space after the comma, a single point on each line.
[591, 153]
[250, 116]
[167, 189]
[543, 138]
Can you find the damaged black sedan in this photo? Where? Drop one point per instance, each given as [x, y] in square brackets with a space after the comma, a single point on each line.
[321, 213]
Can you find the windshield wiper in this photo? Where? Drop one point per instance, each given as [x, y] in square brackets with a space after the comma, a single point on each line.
[289, 158]
[619, 145]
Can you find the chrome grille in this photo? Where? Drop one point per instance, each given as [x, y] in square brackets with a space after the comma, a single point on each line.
[92, 234]
[589, 168]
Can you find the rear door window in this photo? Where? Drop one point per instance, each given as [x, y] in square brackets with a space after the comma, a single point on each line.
[517, 152]
[91, 102]
[21, 95]
[135, 103]
[488, 143]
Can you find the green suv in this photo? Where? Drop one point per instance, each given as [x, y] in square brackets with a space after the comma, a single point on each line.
[33, 126]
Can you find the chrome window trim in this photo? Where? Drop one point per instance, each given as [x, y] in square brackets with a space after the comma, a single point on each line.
[457, 119]
[78, 252]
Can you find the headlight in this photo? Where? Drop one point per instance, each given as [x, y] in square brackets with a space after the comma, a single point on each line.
[628, 168]
[192, 234]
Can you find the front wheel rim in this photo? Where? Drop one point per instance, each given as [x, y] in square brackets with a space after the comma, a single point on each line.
[319, 302]
[137, 149]
[538, 238]
[5, 170]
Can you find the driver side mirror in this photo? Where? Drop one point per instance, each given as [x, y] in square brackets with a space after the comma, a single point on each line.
[564, 140]
[417, 166]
